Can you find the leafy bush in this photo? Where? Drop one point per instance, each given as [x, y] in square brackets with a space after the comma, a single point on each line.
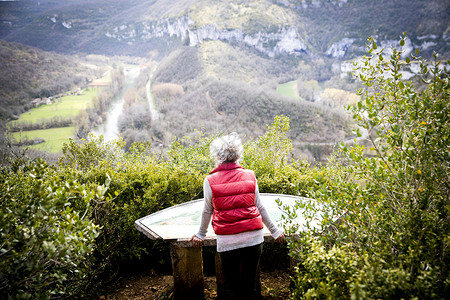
[44, 240]
[277, 172]
[385, 232]
[324, 272]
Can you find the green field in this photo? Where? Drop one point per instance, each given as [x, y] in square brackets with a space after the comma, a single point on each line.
[64, 107]
[67, 106]
[54, 138]
[288, 89]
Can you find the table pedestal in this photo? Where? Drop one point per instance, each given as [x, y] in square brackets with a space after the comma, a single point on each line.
[187, 266]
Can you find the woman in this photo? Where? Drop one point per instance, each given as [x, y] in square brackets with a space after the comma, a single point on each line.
[232, 200]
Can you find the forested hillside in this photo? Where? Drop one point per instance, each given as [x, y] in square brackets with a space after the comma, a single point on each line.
[217, 95]
[30, 73]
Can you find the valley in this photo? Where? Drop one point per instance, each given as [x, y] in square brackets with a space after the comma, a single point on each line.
[230, 67]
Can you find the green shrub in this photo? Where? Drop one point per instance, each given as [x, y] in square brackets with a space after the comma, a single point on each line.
[325, 273]
[268, 156]
[44, 241]
[385, 232]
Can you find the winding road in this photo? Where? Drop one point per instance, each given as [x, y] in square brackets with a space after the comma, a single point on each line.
[153, 112]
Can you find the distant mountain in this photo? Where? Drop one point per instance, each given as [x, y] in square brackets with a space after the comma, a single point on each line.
[308, 28]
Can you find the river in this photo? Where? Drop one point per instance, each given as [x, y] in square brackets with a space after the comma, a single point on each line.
[110, 128]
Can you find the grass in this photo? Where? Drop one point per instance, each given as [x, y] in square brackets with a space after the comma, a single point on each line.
[288, 89]
[67, 106]
[54, 138]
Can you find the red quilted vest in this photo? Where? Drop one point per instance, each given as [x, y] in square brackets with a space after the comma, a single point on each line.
[233, 190]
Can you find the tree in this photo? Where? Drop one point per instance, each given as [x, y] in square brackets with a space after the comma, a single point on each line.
[391, 240]
[308, 90]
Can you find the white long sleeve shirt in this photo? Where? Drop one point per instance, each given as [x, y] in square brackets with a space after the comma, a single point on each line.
[240, 240]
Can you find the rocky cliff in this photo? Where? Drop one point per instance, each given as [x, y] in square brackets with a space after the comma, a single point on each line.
[286, 40]
[312, 28]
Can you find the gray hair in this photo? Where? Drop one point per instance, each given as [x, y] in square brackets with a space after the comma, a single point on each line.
[227, 148]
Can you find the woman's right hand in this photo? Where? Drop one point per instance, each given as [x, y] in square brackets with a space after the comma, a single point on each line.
[196, 241]
[281, 238]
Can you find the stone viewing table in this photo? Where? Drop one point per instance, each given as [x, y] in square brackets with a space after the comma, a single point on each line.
[178, 223]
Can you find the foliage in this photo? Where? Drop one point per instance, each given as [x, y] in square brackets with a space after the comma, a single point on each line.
[269, 158]
[385, 217]
[324, 272]
[44, 238]
[88, 154]
[270, 151]
[192, 153]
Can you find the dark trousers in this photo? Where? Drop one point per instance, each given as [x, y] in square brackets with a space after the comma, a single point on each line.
[240, 270]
